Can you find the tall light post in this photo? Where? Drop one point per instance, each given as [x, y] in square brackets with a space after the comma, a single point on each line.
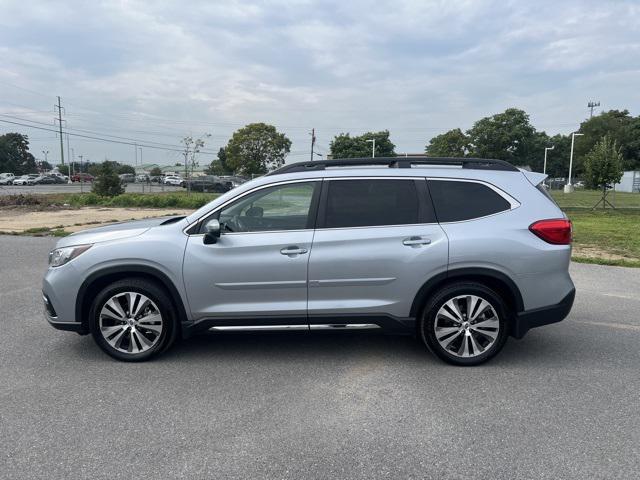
[46, 155]
[568, 188]
[373, 147]
[546, 149]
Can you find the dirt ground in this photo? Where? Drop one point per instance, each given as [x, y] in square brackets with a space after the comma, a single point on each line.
[71, 220]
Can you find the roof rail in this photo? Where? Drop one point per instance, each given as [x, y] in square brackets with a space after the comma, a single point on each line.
[397, 162]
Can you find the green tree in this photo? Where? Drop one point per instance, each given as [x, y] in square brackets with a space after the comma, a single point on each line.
[107, 183]
[155, 172]
[621, 128]
[256, 149]
[603, 167]
[219, 165]
[346, 146]
[125, 169]
[453, 143]
[505, 136]
[14, 154]
[63, 169]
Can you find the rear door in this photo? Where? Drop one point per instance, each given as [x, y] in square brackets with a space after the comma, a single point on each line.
[376, 243]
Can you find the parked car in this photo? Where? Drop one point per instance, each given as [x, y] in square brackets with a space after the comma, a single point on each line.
[44, 180]
[82, 177]
[142, 178]
[208, 183]
[233, 181]
[174, 180]
[25, 179]
[7, 178]
[461, 257]
[156, 178]
[127, 177]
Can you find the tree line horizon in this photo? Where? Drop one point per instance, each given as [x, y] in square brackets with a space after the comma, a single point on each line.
[258, 147]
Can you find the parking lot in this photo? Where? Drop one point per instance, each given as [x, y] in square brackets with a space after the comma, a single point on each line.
[561, 403]
[86, 187]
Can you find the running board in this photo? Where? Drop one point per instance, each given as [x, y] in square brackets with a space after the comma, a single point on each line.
[343, 326]
[321, 326]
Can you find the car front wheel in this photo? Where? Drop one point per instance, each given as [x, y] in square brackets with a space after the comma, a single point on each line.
[465, 323]
[133, 320]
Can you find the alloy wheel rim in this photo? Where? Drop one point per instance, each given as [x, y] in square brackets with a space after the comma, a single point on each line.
[466, 326]
[130, 322]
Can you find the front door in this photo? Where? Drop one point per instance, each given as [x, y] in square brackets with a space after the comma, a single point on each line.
[256, 273]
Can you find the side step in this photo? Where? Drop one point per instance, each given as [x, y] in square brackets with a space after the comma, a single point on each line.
[274, 328]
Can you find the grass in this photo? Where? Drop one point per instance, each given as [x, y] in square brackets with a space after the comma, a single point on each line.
[612, 232]
[127, 200]
[588, 198]
[603, 236]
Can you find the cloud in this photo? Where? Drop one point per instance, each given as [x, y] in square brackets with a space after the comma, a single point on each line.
[414, 67]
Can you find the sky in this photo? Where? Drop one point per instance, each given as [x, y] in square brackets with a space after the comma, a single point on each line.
[150, 73]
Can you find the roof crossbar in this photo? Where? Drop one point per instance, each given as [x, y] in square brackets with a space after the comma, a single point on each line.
[397, 162]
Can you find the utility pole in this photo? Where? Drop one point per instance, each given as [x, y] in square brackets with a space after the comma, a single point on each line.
[59, 107]
[546, 149]
[81, 174]
[373, 147]
[135, 152]
[568, 188]
[591, 105]
[313, 141]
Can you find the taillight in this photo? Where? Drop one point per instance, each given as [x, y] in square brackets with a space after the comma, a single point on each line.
[556, 231]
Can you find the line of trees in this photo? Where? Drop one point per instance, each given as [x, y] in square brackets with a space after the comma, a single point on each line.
[258, 147]
[510, 136]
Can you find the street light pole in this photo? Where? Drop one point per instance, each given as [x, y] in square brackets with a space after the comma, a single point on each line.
[546, 149]
[373, 147]
[568, 188]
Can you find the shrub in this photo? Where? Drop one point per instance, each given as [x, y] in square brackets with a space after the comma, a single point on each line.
[107, 183]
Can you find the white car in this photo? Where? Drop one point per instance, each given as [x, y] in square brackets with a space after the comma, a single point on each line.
[25, 179]
[173, 180]
[6, 178]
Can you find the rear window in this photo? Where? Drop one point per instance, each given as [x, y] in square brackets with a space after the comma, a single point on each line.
[365, 203]
[456, 201]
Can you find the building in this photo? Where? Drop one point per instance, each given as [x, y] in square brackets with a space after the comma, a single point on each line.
[630, 182]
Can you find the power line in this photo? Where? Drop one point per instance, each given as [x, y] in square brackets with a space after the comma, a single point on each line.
[101, 139]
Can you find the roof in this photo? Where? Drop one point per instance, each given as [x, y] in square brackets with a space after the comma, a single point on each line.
[398, 162]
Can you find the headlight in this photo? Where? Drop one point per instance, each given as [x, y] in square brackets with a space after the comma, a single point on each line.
[60, 256]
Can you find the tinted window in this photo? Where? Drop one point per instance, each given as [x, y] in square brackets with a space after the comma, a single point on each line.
[360, 203]
[455, 201]
[283, 207]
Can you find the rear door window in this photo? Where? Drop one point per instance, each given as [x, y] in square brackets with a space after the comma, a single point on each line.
[369, 202]
[456, 200]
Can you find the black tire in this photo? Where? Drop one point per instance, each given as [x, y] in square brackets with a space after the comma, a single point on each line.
[157, 295]
[427, 325]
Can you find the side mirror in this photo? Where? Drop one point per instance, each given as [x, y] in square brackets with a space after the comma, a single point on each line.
[212, 231]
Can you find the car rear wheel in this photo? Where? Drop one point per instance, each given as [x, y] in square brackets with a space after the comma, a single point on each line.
[133, 320]
[465, 323]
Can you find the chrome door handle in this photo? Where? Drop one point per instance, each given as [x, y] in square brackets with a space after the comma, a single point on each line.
[293, 250]
[416, 241]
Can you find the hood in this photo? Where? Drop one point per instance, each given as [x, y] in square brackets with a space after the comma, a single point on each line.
[116, 231]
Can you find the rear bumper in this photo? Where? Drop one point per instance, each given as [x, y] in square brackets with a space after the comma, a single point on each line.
[527, 320]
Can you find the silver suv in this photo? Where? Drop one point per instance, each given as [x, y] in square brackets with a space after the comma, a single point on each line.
[460, 252]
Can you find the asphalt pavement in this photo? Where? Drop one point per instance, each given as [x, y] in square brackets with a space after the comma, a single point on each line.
[85, 187]
[563, 403]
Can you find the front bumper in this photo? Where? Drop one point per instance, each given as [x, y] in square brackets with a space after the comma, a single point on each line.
[52, 317]
[527, 320]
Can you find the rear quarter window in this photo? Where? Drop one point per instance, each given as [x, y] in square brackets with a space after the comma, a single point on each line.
[456, 200]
